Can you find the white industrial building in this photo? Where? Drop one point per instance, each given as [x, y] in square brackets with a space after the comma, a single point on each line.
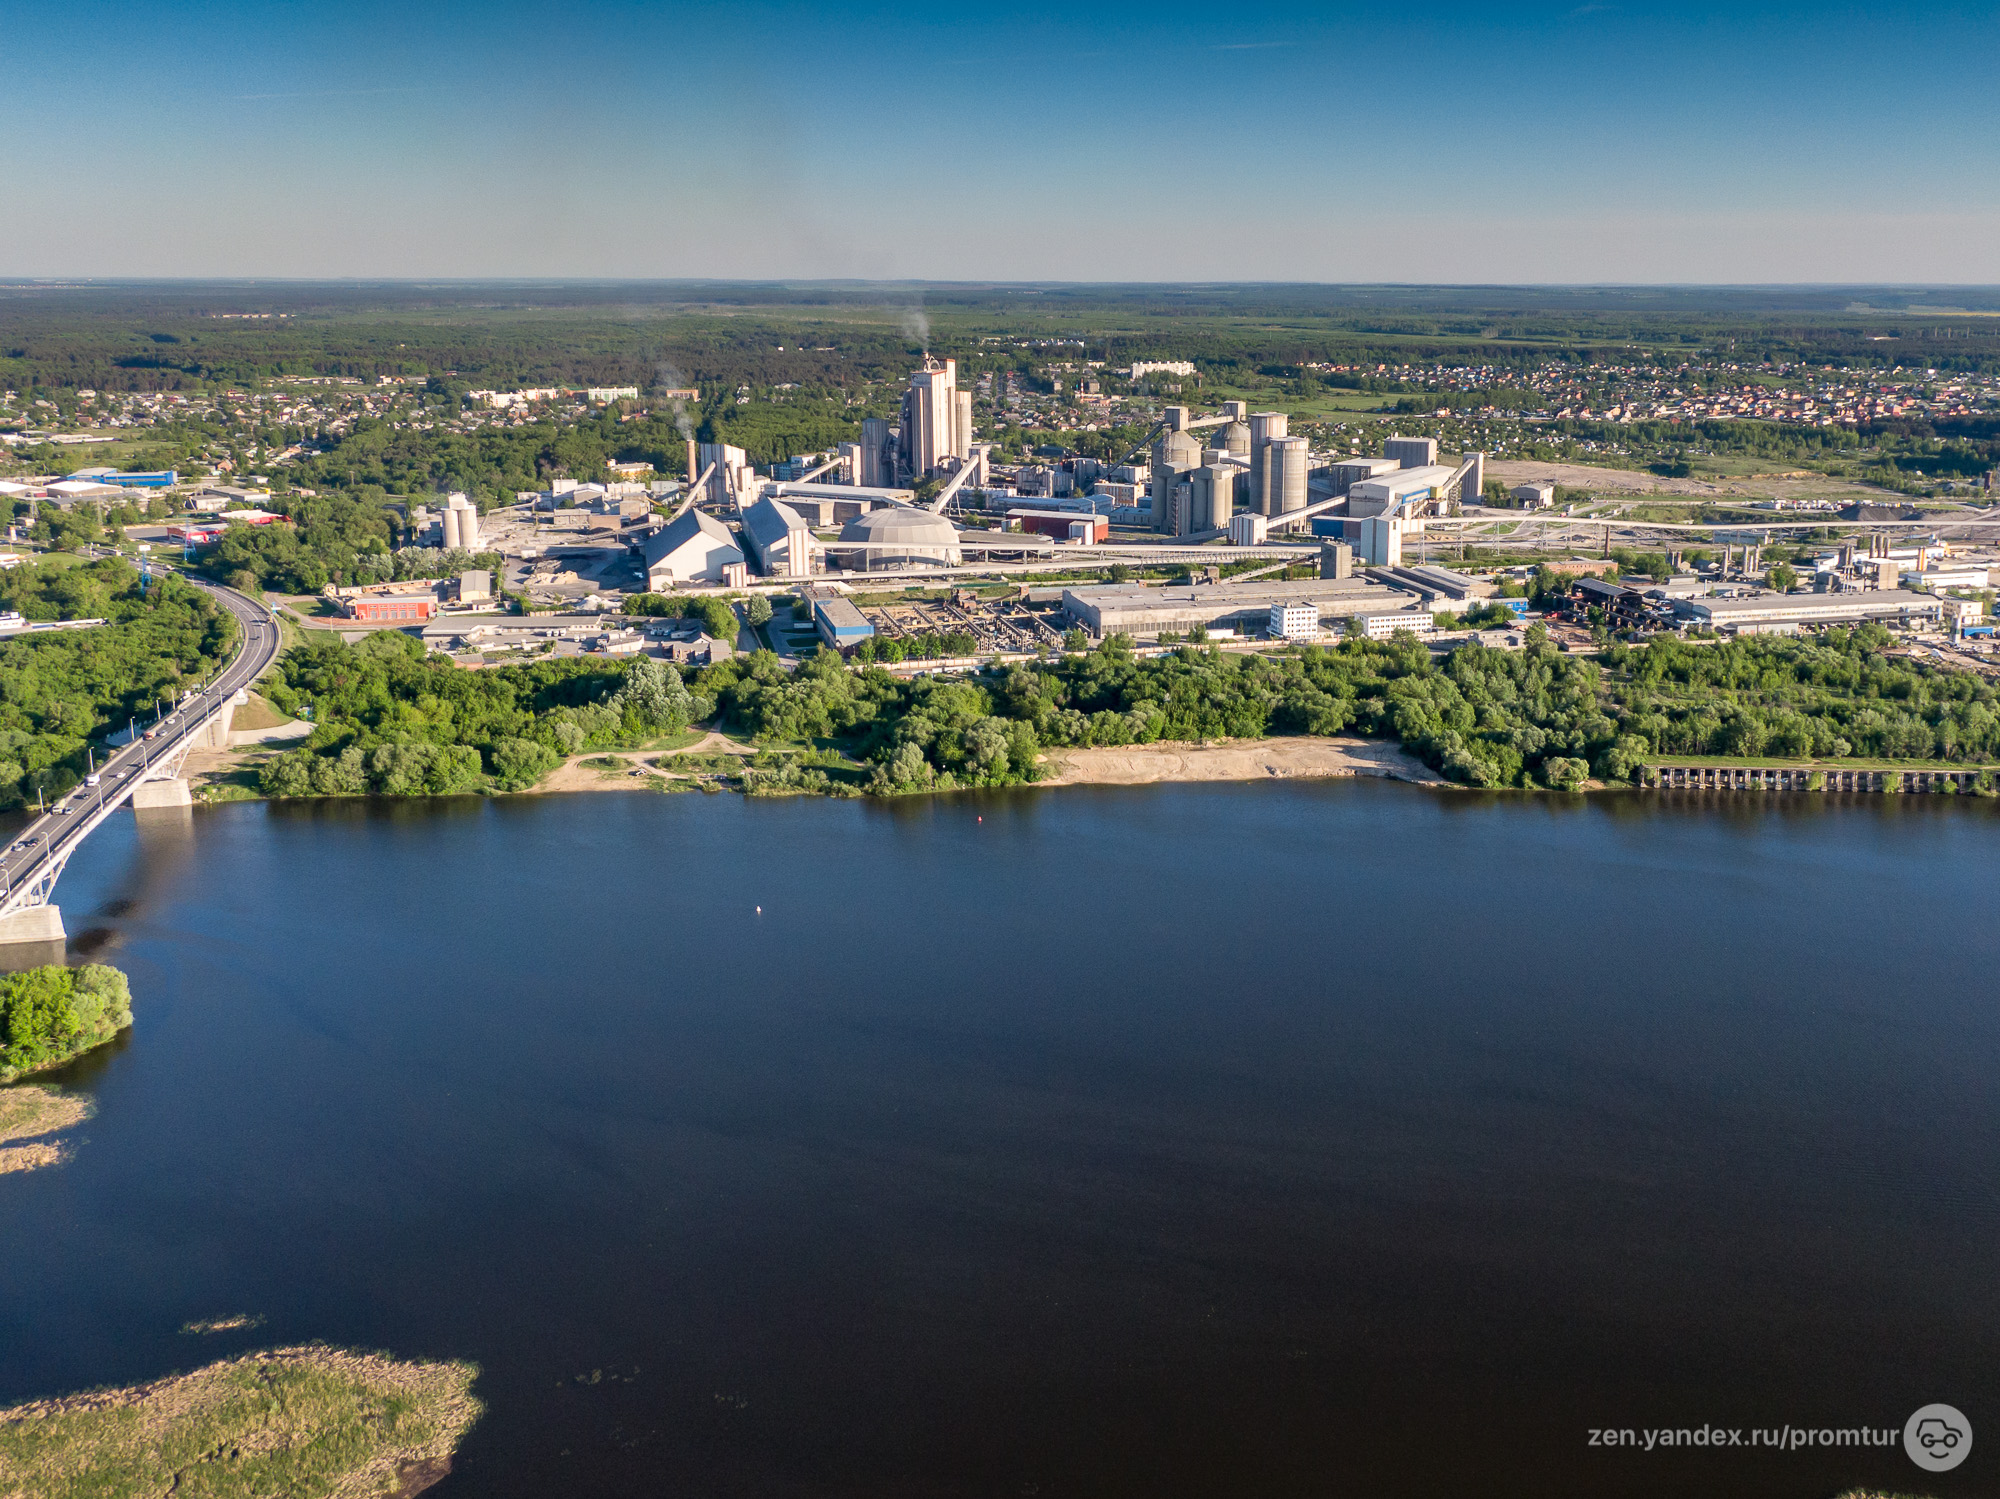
[782, 542]
[1380, 625]
[696, 548]
[1784, 613]
[1399, 490]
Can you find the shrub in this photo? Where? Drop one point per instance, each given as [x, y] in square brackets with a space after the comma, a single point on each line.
[48, 1015]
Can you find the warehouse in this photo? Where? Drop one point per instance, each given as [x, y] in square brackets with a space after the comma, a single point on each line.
[1142, 612]
[693, 549]
[784, 545]
[839, 623]
[1784, 613]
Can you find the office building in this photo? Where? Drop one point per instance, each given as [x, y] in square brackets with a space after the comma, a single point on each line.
[1294, 621]
[1380, 625]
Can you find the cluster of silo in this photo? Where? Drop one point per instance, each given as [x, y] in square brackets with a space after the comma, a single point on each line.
[1266, 427]
[461, 524]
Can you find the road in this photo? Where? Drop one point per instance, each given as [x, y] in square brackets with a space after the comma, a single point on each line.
[40, 850]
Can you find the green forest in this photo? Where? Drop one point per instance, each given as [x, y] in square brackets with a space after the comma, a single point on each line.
[62, 690]
[391, 721]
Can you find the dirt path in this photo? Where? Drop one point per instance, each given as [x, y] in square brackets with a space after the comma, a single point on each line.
[635, 769]
[1238, 760]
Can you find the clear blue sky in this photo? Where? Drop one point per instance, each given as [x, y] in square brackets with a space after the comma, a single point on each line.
[1451, 142]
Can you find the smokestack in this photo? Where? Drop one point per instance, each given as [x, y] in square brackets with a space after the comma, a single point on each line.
[692, 470]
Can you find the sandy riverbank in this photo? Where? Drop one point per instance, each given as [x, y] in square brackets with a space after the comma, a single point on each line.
[1301, 758]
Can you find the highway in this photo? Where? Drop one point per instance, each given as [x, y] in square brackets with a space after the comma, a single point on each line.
[37, 854]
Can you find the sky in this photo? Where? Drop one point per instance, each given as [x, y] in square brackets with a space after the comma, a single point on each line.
[1526, 143]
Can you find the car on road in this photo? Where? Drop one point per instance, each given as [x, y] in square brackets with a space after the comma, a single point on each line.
[92, 780]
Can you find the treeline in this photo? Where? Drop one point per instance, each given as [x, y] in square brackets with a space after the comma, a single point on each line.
[1483, 717]
[391, 720]
[62, 690]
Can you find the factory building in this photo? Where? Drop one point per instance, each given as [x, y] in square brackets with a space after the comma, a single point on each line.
[1064, 525]
[878, 458]
[1440, 584]
[392, 608]
[1784, 613]
[899, 537]
[781, 541]
[1412, 452]
[1400, 490]
[1534, 496]
[696, 548]
[937, 419]
[1136, 610]
[734, 481]
[1345, 473]
[840, 624]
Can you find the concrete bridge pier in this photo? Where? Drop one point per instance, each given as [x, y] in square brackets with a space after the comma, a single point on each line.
[37, 924]
[149, 795]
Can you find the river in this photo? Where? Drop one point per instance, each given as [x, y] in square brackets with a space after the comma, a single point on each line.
[1274, 1139]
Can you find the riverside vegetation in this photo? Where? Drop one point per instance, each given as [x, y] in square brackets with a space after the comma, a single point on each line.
[49, 1015]
[390, 720]
[61, 690]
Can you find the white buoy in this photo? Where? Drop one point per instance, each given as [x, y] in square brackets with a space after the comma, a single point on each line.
[760, 910]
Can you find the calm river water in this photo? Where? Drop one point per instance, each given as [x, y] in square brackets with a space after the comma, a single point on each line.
[1286, 1139]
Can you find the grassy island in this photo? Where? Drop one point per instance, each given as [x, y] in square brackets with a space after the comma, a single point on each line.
[302, 1422]
[49, 1015]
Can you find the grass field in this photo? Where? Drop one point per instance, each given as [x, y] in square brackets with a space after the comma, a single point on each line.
[306, 1423]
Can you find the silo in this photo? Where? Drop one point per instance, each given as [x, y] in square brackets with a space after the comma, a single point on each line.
[468, 527]
[1214, 496]
[1173, 455]
[1285, 464]
[1236, 438]
[450, 527]
[1265, 427]
[1475, 480]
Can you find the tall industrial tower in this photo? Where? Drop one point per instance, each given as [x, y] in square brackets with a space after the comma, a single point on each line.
[937, 418]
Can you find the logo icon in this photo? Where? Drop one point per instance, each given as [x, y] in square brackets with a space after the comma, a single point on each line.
[1937, 1438]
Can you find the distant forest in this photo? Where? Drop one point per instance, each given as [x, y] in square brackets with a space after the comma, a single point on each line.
[165, 336]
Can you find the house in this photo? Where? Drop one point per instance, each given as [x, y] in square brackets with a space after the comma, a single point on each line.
[694, 549]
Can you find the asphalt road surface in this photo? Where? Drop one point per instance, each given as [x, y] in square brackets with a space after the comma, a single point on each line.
[52, 836]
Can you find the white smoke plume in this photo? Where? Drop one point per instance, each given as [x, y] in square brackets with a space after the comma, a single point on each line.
[670, 378]
[917, 326]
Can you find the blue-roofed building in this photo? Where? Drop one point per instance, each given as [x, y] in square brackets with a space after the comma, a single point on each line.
[840, 624]
[161, 479]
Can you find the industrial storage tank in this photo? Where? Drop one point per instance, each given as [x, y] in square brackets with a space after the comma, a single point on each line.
[1236, 440]
[902, 538]
[1173, 455]
[1286, 461]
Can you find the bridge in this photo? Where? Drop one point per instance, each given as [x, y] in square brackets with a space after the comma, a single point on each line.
[146, 773]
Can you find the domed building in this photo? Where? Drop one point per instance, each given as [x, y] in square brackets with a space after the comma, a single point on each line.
[901, 537]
